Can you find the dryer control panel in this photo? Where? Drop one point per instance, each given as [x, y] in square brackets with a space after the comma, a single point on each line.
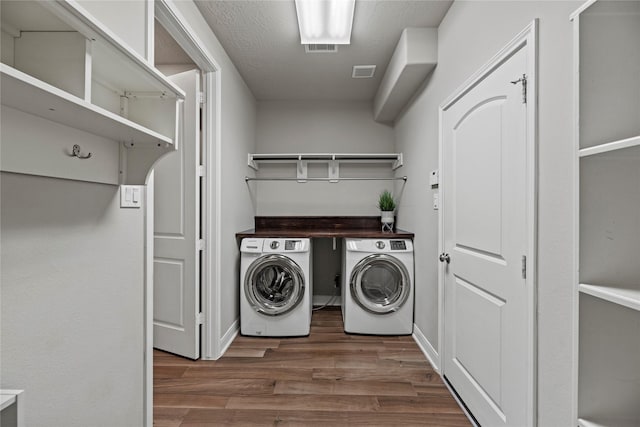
[292, 245]
[398, 245]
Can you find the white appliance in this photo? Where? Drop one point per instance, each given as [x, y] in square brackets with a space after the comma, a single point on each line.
[377, 286]
[275, 287]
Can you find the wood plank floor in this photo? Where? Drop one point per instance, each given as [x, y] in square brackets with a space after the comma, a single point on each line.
[326, 379]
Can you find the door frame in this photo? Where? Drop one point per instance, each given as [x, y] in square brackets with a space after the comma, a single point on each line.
[527, 38]
[167, 13]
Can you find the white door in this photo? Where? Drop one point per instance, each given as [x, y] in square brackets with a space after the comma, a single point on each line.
[484, 162]
[176, 267]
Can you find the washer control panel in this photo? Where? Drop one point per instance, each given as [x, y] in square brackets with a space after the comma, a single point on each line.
[292, 245]
[398, 245]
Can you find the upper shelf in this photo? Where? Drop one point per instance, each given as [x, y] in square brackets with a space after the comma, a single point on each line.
[611, 146]
[394, 158]
[25, 93]
[115, 52]
[627, 297]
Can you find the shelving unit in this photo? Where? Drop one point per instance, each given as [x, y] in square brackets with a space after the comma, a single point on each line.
[61, 65]
[607, 297]
[12, 408]
[333, 161]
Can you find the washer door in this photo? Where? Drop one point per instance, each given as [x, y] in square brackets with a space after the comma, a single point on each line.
[274, 284]
[380, 284]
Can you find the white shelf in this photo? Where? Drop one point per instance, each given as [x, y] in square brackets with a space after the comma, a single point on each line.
[629, 298]
[144, 77]
[30, 95]
[394, 158]
[611, 146]
[607, 423]
[7, 400]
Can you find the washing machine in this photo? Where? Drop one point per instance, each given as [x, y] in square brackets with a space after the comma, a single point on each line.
[377, 286]
[275, 287]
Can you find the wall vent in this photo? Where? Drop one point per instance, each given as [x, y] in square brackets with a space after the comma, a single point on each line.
[320, 48]
[363, 71]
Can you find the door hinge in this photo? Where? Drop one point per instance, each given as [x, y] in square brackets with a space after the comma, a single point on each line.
[200, 318]
[524, 266]
[202, 98]
[522, 80]
[200, 170]
[200, 244]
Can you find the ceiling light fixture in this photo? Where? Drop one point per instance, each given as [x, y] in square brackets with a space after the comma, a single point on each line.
[325, 21]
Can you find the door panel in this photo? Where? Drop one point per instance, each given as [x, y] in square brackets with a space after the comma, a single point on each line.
[484, 188]
[477, 143]
[169, 288]
[176, 232]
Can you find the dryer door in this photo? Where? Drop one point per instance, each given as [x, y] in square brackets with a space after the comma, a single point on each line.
[274, 284]
[380, 284]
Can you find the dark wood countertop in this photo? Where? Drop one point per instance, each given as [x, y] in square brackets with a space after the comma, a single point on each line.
[321, 227]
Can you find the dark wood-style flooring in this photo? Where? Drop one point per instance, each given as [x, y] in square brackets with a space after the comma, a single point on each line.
[326, 379]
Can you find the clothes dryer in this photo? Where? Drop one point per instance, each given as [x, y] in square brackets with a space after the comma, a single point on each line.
[275, 287]
[377, 286]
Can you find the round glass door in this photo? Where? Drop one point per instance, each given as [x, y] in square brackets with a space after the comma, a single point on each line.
[274, 284]
[380, 284]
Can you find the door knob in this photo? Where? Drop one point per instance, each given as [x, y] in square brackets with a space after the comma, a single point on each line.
[445, 258]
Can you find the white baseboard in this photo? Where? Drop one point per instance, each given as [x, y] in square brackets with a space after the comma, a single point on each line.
[323, 299]
[229, 336]
[430, 353]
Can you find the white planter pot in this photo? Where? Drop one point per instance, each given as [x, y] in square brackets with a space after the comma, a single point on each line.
[387, 217]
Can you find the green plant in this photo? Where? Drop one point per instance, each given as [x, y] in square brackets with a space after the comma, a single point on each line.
[386, 202]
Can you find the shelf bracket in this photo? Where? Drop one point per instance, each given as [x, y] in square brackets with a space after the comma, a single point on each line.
[301, 170]
[251, 163]
[334, 170]
[398, 162]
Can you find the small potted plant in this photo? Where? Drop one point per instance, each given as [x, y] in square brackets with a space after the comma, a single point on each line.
[387, 207]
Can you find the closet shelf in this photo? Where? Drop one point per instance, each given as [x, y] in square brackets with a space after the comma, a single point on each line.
[607, 423]
[30, 95]
[626, 297]
[398, 178]
[394, 158]
[332, 160]
[611, 146]
[144, 76]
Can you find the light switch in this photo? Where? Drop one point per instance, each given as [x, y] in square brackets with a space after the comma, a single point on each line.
[130, 196]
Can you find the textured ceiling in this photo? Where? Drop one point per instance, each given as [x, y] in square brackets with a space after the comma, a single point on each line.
[262, 39]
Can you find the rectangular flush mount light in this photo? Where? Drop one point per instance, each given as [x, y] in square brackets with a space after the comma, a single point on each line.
[325, 21]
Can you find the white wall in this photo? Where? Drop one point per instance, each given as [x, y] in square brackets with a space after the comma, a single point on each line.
[471, 33]
[72, 301]
[238, 117]
[72, 286]
[320, 127]
[127, 19]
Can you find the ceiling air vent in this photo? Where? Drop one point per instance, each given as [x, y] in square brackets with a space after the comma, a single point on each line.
[363, 71]
[320, 48]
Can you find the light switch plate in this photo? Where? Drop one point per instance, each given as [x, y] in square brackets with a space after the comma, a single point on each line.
[130, 196]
